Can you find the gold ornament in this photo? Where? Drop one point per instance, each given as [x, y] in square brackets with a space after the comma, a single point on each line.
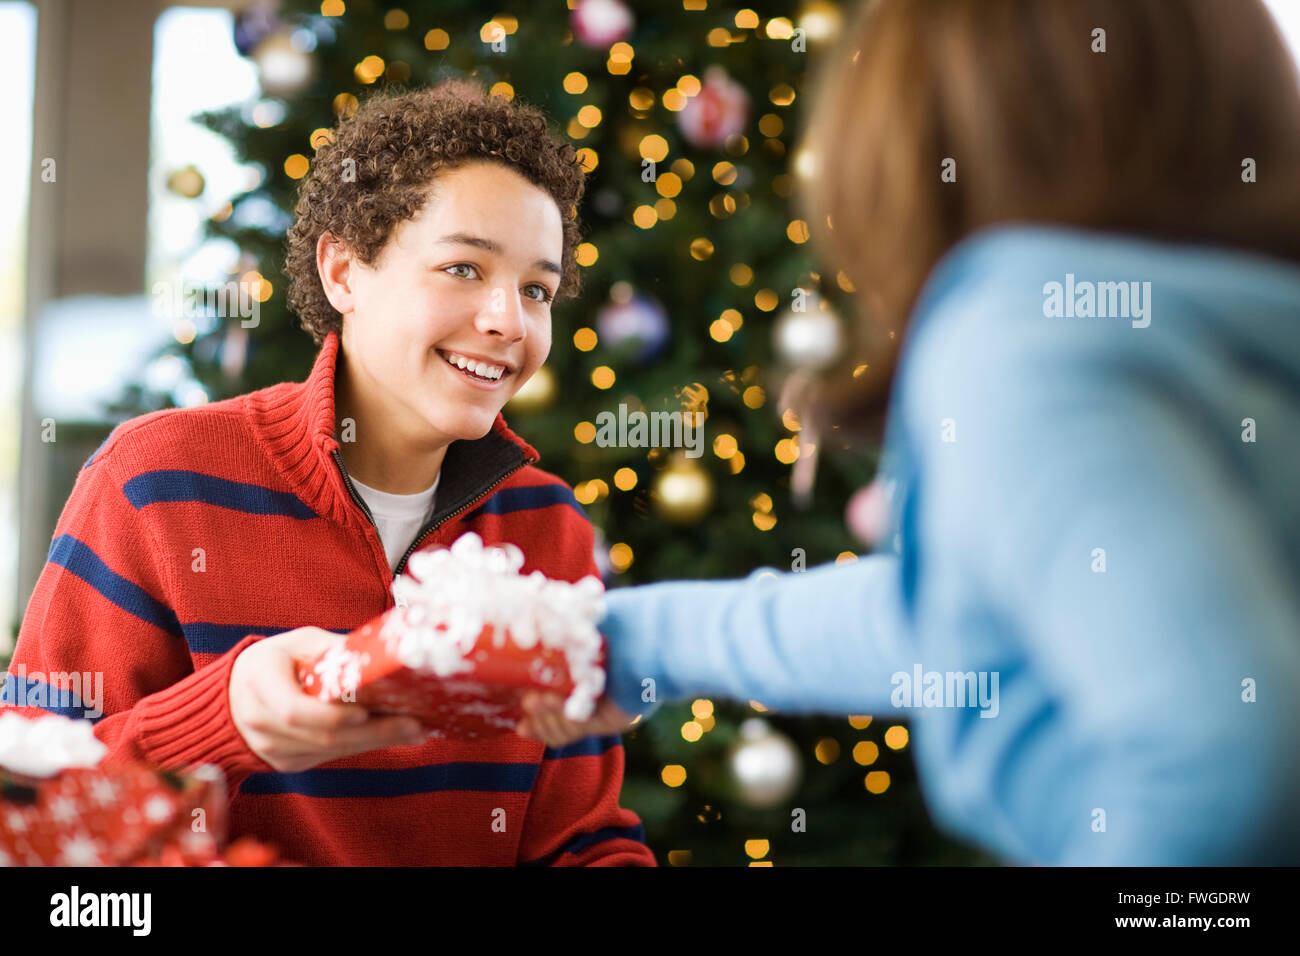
[537, 393]
[821, 21]
[682, 491]
[283, 64]
[187, 182]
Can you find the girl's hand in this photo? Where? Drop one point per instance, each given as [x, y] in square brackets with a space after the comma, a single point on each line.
[545, 720]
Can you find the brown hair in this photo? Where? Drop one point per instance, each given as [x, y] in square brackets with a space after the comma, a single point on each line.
[375, 173]
[1148, 137]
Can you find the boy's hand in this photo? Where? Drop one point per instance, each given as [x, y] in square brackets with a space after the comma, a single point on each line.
[545, 720]
[292, 731]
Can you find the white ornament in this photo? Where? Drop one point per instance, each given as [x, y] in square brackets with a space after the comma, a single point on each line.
[811, 339]
[285, 69]
[765, 765]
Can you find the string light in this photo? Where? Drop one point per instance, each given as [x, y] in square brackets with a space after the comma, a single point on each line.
[865, 752]
[877, 781]
[827, 750]
[896, 737]
[701, 248]
[369, 69]
[620, 556]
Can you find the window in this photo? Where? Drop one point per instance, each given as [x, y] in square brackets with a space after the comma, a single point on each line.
[18, 54]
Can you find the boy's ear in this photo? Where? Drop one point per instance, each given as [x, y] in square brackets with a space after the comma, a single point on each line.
[334, 265]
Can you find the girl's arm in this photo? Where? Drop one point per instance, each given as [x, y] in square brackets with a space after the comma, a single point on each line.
[826, 640]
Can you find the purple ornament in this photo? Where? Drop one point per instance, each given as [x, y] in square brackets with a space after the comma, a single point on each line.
[253, 25]
[635, 325]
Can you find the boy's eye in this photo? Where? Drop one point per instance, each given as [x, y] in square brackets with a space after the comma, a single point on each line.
[460, 265]
[544, 294]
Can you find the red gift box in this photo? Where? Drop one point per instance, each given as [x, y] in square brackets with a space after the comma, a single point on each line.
[60, 807]
[468, 637]
[89, 816]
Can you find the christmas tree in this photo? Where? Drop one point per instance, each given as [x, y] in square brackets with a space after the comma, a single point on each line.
[701, 296]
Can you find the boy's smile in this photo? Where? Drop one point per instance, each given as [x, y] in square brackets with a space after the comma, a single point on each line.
[478, 370]
[448, 323]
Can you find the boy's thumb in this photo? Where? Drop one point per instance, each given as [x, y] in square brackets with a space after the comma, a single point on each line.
[307, 642]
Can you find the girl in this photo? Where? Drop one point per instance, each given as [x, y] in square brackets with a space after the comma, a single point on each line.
[1079, 223]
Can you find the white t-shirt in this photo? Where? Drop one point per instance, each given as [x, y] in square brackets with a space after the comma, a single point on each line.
[399, 518]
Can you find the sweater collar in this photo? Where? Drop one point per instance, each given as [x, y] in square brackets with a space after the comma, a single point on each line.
[294, 422]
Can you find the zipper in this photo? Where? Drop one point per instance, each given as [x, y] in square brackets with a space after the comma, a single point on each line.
[433, 526]
[430, 528]
[338, 456]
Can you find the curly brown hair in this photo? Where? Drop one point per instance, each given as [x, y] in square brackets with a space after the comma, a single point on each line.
[396, 142]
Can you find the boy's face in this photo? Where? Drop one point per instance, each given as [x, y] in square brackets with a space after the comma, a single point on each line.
[469, 278]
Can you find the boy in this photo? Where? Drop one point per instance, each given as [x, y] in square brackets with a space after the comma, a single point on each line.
[431, 237]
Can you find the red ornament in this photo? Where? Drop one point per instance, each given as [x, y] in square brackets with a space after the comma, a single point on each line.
[718, 112]
[600, 23]
[867, 514]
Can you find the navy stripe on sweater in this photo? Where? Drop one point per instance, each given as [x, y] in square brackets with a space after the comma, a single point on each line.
[586, 747]
[402, 782]
[205, 638]
[174, 484]
[509, 500]
[584, 840]
[22, 691]
[79, 559]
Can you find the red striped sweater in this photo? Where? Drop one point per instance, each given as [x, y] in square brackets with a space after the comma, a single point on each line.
[191, 533]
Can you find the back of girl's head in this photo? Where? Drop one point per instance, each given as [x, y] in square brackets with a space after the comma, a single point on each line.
[1118, 115]
[374, 171]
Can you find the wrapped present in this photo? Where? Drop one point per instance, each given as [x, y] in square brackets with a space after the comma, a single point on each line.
[468, 636]
[60, 807]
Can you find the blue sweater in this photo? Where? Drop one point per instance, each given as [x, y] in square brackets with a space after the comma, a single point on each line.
[1090, 606]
